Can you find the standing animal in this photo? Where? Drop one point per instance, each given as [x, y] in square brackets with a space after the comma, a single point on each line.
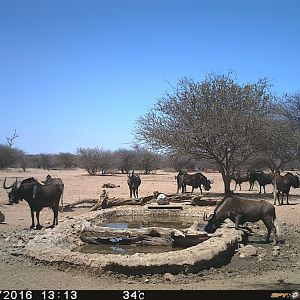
[240, 210]
[59, 182]
[194, 180]
[252, 179]
[283, 184]
[239, 179]
[134, 182]
[262, 178]
[37, 196]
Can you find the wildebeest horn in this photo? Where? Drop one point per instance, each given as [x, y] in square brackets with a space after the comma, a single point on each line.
[207, 218]
[6, 187]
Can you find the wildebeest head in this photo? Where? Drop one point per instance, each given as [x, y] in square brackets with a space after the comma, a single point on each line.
[13, 194]
[212, 223]
[295, 182]
[19, 189]
[207, 185]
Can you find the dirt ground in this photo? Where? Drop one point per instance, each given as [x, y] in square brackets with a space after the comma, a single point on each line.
[270, 269]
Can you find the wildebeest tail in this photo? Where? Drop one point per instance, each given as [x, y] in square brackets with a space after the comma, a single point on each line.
[277, 227]
[62, 201]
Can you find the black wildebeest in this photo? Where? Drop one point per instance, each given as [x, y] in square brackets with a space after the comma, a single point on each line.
[194, 180]
[239, 179]
[283, 184]
[262, 178]
[240, 210]
[59, 182]
[134, 182]
[37, 196]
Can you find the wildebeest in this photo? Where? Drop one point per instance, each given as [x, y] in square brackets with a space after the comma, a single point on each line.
[240, 210]
[134, 182]
[283, 184]
[37, 196]
[59, 182]
[262, 178]
[239, 179]
[109, 185]
[194, 180]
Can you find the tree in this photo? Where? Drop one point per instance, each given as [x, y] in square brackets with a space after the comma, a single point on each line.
[290, 110]
[96, 160]
[66, 159]
[126, 160]
[89, 159]
[278, 144]
[105, 160]
[10, 140]
[182, 162]
[217, 119]
[45, 160]
[147, 160]
[8, 156]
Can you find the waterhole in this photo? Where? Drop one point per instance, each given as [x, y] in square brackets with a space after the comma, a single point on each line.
[121, 245]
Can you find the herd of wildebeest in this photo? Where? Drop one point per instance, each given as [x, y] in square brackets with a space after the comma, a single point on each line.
[239, 210]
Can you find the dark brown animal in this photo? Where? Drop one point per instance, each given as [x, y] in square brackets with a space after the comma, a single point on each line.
[240, 210]
[239, 179]
[109, 186]
[134, 182]
[195, 181]
[37, 196]
[283, 184]
[262, 178]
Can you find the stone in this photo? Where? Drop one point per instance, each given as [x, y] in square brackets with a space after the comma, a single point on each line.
[169, 277]
[247, 251]
[8, 239]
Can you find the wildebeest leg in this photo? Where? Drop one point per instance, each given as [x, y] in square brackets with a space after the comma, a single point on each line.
[281, 203]
[237, 221]
[192, 189]
[55, 216]
[130, 191]
[269, 224]
[240, 186]
[260, 189]
[136, 193]
[235, 186]
[38, 225]
[287, 199]
[32, 219]
[264, 189]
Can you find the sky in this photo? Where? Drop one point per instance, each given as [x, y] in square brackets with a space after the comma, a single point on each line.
[79, 73]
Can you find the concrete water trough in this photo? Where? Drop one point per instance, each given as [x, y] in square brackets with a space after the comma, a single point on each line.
[61, 245]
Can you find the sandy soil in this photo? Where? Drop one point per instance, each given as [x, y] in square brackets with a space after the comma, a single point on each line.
[264, 271]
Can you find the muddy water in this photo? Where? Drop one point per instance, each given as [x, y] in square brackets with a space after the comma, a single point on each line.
[167, 221]
[127, 222]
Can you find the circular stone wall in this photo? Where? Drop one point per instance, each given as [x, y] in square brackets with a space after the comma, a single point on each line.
[58, 246]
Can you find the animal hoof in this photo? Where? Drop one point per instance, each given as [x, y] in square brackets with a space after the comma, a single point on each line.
[38, 227]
